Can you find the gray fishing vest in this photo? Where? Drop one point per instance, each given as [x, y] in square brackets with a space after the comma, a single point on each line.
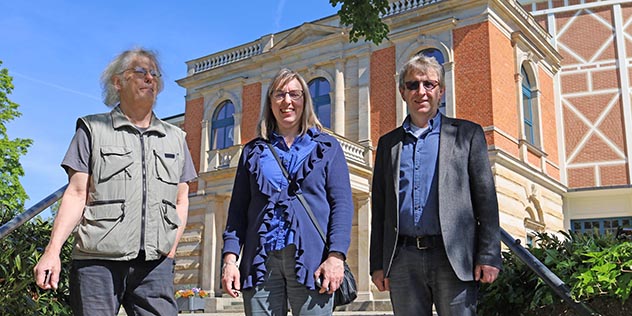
[132, 189]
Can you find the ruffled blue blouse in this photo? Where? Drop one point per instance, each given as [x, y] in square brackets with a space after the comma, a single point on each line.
[279, 234]
[322, 178]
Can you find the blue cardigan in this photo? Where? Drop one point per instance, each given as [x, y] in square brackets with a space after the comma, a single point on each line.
[324, 181]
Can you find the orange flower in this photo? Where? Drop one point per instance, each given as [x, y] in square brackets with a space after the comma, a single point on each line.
[191, 293]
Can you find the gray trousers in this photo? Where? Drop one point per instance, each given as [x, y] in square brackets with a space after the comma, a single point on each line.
[100, 287]
[421, 278]
[280, 287]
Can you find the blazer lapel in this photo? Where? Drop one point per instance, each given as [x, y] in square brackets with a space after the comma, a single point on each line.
[449, 128]
[396, 150]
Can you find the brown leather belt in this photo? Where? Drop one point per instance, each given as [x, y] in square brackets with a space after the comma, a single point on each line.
[420, 242]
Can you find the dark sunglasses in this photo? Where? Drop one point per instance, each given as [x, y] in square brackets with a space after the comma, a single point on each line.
[427, 84]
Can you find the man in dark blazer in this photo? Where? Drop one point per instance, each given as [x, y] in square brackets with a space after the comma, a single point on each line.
[435, 229]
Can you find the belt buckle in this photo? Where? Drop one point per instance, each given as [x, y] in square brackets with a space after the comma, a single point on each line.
[419, 243]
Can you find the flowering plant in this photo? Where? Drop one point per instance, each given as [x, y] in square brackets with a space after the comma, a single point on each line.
[191, 293]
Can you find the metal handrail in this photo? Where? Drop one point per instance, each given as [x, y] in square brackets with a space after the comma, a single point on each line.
[544, 273]
[17, 221]
[552, 280]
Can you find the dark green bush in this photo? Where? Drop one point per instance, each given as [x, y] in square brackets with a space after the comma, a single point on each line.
[597, 269]
[20, 252]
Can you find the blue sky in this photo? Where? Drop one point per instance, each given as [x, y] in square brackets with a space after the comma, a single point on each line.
[55, 52]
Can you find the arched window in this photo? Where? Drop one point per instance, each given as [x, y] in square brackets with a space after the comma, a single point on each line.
[319, 89]
[433, 52]
[222, 126]
[528, 108]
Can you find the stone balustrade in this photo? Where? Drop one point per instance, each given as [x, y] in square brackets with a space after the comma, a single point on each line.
[229, 157]
[224, 58]
[396, 7]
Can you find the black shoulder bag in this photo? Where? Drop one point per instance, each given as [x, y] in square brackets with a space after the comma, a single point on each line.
[348, 291]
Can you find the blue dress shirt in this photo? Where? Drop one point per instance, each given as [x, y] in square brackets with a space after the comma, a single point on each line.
[418, 195]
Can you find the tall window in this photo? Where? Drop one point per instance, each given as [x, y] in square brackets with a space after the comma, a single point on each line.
[319, 89]
[433, 52]
[222, 126]
[527, 108]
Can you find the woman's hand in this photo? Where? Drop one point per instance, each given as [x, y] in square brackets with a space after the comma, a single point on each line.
[230, 275]
[331, 272]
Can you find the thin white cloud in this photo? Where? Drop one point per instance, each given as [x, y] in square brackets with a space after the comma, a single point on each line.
[279, 15]
[56, 86]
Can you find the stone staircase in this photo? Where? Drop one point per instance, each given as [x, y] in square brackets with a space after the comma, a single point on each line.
[229, 306]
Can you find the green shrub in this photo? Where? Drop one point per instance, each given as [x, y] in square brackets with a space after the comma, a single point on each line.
[594, 267]
[20, 252]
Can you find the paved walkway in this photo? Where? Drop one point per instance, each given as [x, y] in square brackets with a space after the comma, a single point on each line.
[357, 313]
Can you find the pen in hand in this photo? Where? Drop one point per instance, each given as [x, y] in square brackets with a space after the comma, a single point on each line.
[46, 277]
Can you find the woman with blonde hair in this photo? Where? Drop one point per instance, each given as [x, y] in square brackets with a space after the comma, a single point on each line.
[283, 257]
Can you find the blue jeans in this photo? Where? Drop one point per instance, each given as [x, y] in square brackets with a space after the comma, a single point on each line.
[272, 296]
[419, 278]
[100, 287]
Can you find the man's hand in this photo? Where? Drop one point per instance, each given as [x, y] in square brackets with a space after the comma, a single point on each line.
[47, 271]
[485, 273]
[378, 279]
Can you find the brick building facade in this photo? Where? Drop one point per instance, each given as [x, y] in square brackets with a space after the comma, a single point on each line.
[546, 87]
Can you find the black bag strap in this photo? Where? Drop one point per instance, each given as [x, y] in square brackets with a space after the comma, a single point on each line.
[299, 195]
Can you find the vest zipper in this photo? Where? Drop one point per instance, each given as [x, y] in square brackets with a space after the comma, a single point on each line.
[144, 192]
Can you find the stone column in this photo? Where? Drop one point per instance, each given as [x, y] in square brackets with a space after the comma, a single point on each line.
[364, 102]
[221, 210]
[237, 128]
[363, 202]
[207, 258]
[205, 146]
[339, 103]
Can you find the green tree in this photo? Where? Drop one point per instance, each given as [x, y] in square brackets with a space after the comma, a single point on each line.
[12, 194]
[21, 249]
[364, 18]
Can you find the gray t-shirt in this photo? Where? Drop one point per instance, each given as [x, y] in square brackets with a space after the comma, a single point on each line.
[78, 155]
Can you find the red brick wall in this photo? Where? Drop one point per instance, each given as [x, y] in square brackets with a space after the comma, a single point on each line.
[553, 171]
[383, 92]
[626, 12]
[548, 125]
[472, 70]
[577, 82]
[503, 86]
[596, 85]
[250, 114]
[533, 160]
[613, 175]
[581, 177]
[193, 116]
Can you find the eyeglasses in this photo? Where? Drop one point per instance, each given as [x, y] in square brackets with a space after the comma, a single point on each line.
[143, 72]
[294, 95]
[427, 84]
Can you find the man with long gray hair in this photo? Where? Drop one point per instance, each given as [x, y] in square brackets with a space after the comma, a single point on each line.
[127, 199]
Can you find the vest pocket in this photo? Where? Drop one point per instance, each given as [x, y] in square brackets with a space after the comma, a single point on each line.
[114, 160]
[168, 169]
[102, 231]
[168, 227]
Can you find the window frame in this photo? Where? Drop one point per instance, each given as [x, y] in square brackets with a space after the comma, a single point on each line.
[601, 222]
[529, 128]
[320, 99]
[226, 123]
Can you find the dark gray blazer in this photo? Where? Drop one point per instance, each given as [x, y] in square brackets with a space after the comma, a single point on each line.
[468, 206]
